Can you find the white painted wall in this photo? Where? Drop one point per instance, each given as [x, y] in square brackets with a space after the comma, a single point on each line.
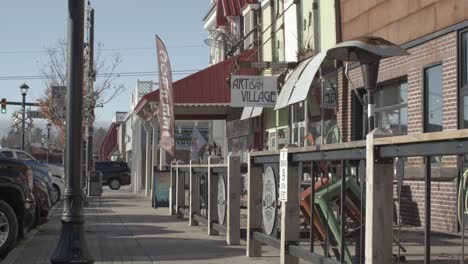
[290, 32]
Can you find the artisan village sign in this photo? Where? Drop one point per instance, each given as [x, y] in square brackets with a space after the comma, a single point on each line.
[255, 91]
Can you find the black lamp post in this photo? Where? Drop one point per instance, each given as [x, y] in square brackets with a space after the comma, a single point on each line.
[24, 90]
[71, 247]
[49, 126]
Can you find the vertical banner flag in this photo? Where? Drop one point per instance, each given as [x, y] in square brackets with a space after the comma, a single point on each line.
[166, 104]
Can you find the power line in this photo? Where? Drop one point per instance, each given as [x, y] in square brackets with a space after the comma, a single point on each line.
[102, 75]
[110, 49]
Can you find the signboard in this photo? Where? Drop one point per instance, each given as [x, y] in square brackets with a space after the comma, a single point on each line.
[269, 204]
[330, 98]
[35, 114]
[162, 183]
[255, 91]
[283, 188]
[166, 104]
[58, 94]
[221, 200]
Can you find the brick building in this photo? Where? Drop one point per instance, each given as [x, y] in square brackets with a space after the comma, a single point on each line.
[422, 92]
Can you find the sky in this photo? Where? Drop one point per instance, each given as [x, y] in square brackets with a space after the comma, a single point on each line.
[126, 28]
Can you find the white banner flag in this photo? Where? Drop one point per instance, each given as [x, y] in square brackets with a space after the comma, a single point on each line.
[197, 143]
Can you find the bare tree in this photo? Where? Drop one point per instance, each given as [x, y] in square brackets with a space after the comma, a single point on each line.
[102, 76]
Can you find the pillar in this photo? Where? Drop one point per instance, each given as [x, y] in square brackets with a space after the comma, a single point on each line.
[233, 201]
[212, 197]
[379, 205]
[194, 196]
[254, 208]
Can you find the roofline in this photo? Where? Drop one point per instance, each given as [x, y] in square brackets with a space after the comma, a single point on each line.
[213, 7]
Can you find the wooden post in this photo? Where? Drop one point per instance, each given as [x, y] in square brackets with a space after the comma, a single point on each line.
[212, 197]
[194, 196]
[254, 209]
[172, 187]
[379, 207]
[233, 201]
[180, 192]
[290, 216]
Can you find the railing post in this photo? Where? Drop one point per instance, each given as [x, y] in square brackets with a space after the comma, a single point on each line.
[172, 193]
[379, 207]
[233, 201]
[212, 197]
[289, 212]
[254, 209]
[180, 192]
[194, 196]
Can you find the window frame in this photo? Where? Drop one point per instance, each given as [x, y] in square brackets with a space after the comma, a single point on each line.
[399, 106]
[462, 91]
[426, 97]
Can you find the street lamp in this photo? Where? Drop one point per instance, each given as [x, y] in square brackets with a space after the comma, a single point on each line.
[71, 247]
[24, 90]
[49, 126]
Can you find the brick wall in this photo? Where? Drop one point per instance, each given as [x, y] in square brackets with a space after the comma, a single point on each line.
[443, 206]
[441, 50]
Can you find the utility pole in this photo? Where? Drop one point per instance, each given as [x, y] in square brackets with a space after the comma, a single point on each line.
[71, 247]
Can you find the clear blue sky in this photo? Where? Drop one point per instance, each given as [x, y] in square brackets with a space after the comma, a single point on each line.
[28, 27]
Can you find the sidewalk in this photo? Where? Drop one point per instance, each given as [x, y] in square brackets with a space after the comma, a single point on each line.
[127, 230]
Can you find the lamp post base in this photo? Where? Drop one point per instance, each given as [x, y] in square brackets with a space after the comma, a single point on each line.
[71, 247]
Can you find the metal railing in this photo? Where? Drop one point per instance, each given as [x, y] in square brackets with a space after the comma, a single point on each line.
[209, 194]
[337, 200]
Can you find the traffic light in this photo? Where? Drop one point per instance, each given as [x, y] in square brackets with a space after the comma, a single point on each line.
[4, 102]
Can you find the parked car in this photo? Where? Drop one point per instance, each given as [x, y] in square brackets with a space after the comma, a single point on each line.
[57, 172]
[43, 204]
[114, 173]
[17, 203]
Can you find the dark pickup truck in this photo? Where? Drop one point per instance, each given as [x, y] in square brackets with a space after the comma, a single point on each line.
[114, 173]
[17, 204]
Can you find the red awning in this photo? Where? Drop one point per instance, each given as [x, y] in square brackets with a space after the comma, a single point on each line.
[229, 8]
[110, 142]
[207, 87]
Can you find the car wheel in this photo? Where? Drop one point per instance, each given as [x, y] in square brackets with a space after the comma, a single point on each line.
[55, 195]
[114, 184]
[8, 228]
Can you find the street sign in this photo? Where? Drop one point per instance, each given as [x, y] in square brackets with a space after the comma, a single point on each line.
[35, 114]
[283, 188]
[269, 204]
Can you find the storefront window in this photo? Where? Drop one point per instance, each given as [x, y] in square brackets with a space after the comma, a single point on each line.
[391, 107]
[326, 111]
[433, 99]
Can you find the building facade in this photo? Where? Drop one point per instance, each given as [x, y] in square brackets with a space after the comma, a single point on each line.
[422, 92]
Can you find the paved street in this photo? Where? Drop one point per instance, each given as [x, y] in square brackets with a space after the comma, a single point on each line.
[127, 230]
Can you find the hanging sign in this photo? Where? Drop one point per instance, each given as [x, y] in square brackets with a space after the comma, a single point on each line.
[283, 188]
[254, 91]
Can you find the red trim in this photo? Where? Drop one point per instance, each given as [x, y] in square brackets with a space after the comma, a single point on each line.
[229, 8]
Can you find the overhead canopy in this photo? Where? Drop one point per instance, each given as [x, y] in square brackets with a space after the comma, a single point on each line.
[296, 87]
[205, 92]
[249, 112]
[365, 49]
